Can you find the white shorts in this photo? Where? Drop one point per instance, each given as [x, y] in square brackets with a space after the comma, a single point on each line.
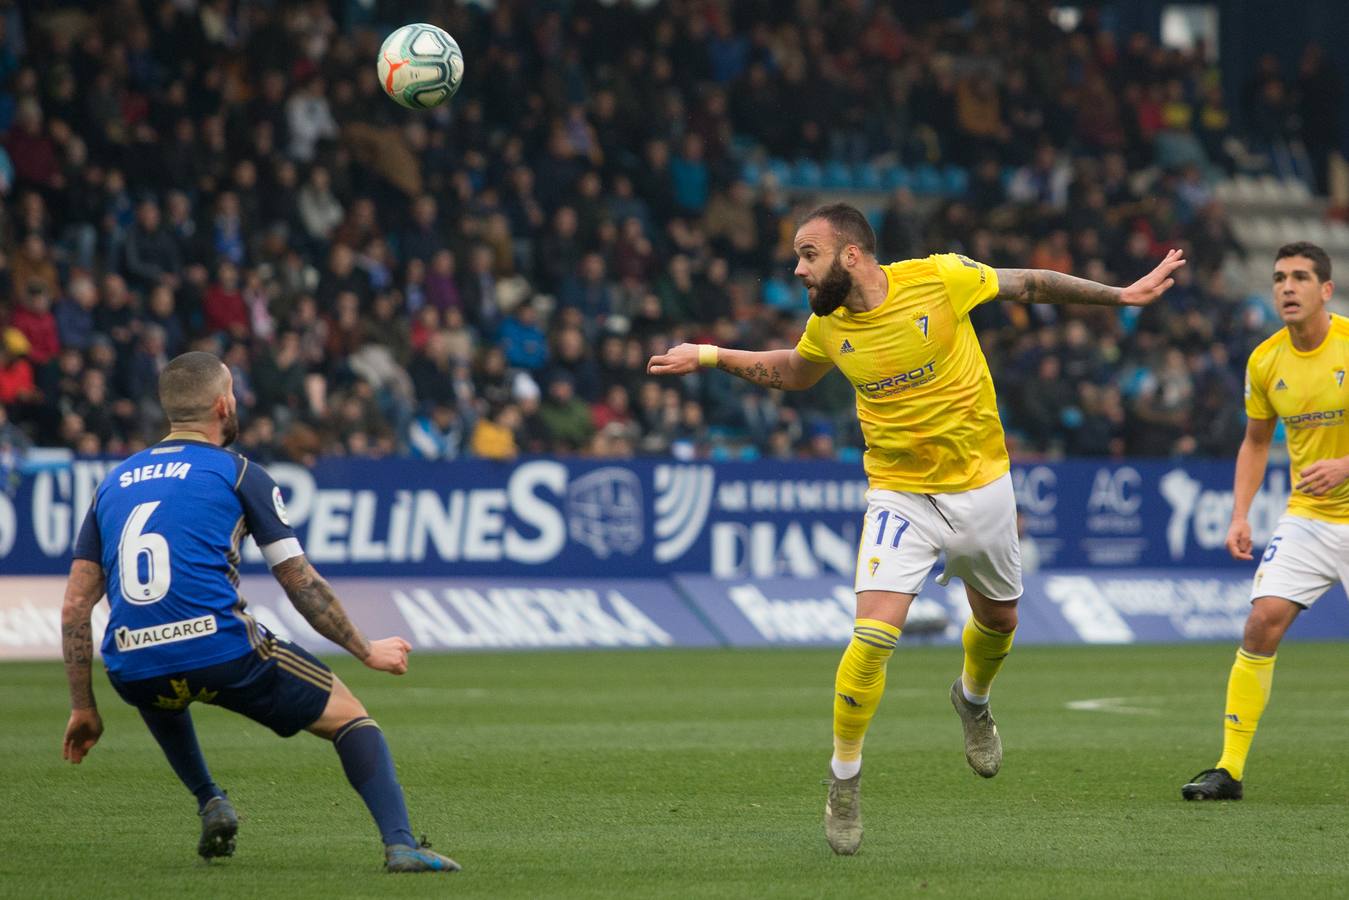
[904, 533]
[1303, 559]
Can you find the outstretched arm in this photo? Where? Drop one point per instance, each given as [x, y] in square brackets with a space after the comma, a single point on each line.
[84, 588]
[784, 370]
[314, 598]
[1045, 286]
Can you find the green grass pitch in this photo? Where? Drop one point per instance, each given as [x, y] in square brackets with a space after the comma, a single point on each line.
[698, 774]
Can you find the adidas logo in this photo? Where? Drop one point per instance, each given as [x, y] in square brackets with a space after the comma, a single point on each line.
[846, 347]
[1280, 386]
[1233, 718]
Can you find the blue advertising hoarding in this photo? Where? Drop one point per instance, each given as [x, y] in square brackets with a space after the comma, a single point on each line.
[643, 518]
[1081, 606]
[1090, 606]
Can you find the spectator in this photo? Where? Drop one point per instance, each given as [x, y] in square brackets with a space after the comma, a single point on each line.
[590, 292]
[31, 150]
[34, 320]
[559, 250]
[613, 409]
[1164, 407]
[441, 286]
[522, 339]
[319, 209]
[148, 361]
[280, 379]
[115, 316]
[75, 313]
[565, 416]
[422, 240]
[224, 305]
[494, 436]
[689, 177]
[152, 255]
[32, 265]
[17, 385]
[437, 434]
[309, 120]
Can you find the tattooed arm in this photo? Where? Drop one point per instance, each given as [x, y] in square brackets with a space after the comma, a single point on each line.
[315, 600]
[1045, 286]
[84, 588]
[783, 370]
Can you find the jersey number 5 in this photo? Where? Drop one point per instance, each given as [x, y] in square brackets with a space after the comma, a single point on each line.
[143, 550]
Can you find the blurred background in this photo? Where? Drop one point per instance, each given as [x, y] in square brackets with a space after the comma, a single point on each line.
[483, 283]
[489, 279]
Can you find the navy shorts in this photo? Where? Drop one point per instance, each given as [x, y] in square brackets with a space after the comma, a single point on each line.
[279, 684]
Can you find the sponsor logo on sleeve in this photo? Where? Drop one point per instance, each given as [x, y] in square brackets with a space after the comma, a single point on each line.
[280, 506]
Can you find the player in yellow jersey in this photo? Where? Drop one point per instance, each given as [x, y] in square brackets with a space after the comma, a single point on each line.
[1298, 375]
[936, 458]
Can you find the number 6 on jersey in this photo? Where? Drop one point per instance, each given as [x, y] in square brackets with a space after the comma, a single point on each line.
[136, 545]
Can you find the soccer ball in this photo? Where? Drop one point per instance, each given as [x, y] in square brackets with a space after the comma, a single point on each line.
[420, 66]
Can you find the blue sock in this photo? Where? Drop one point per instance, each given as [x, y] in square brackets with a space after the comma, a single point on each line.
[369, 766]
[178, 739]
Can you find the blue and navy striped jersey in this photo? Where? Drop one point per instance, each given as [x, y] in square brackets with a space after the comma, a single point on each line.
[165, 525]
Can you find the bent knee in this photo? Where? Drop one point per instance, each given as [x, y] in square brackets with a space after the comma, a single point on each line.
[1267, 623]
[998, 617]
[342, 708]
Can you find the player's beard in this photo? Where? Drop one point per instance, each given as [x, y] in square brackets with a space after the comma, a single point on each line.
[229, 429]
[832, 290]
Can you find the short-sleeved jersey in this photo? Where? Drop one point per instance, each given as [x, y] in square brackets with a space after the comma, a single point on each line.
[1309, 393]
[924, 393]
[165, 526]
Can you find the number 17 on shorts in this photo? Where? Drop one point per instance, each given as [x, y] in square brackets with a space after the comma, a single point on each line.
[895, 552]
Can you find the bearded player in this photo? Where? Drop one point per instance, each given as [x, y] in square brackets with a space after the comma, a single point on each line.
[162, 540]
[936, 458]
[1297, 375]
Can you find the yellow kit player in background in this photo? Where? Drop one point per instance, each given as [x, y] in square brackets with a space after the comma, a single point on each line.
[1298, 375]
[936, 458]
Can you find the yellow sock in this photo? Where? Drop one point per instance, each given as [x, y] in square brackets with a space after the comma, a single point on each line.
[1247, 693]
[985, 649]
[859, 684]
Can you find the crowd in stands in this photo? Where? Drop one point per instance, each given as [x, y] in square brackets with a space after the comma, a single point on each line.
[489, 278]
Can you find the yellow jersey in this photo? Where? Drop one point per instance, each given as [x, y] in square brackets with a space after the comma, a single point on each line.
[924, 393]
[1308, 392]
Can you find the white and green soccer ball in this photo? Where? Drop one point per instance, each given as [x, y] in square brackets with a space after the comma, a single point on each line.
[420, 66]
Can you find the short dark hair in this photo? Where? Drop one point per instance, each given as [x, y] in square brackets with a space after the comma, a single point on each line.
[190, 384]
[1320, 258]
[849, 222]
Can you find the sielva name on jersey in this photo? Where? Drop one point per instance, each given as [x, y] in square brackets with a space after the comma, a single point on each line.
[157, 470]
[167, 633]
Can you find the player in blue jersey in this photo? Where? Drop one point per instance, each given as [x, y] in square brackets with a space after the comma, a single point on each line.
[162, 539]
